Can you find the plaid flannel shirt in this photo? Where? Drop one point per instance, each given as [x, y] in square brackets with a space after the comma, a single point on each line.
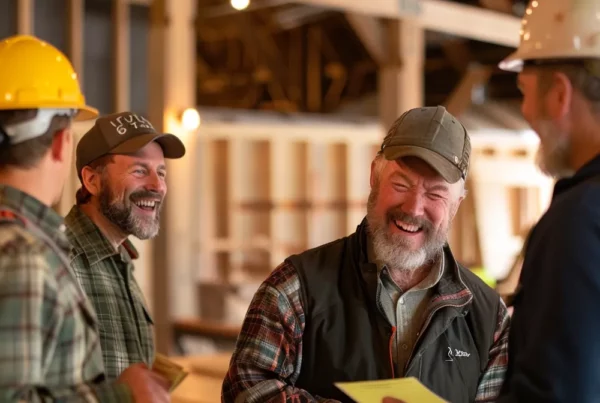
[106, 275]
[268, 356]
[49, 343]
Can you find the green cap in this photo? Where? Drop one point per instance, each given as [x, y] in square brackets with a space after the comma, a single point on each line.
[435, 136]
[123, 133]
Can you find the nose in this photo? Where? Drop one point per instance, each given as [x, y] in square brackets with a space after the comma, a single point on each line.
[156, 183]
[414, 204]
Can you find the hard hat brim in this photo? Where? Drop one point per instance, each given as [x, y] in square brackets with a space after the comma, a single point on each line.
[86, 113]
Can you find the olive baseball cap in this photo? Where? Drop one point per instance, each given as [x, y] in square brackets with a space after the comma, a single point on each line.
[433, 135]
[123, 133]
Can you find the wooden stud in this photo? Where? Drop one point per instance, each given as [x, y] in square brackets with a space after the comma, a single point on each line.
[121, 55]
[25, 10]
[75, 36]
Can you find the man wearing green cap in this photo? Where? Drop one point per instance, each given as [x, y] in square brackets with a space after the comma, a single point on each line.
[387, 301]
[121, 164]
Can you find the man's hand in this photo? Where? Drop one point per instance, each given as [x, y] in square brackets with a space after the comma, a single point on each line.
[146, 385]
[391, 400]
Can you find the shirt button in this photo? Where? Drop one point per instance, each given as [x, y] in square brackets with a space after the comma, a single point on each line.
[62, 228]
[405, 347]
[401, 301]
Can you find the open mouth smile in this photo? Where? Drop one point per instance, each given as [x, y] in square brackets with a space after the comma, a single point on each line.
[408, 228]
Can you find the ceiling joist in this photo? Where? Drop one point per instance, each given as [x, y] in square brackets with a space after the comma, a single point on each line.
[439, 15]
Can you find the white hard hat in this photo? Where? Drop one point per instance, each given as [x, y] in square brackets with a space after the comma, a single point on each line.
[557, 29]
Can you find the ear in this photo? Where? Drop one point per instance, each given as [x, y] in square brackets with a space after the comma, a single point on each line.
[560, 96]
[91, 180]
[372, 179]
[61, 144]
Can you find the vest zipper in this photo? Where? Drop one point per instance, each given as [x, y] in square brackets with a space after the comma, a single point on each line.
[423, 328]
[391, 349]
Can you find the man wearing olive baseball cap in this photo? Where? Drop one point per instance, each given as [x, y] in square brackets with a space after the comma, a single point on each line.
[121, 164]
[388, 300]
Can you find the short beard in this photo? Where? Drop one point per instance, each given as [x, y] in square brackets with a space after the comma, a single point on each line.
[120, 215]
[553, 153]
[392, 249]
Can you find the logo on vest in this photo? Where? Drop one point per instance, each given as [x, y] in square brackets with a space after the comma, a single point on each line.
[457, 353]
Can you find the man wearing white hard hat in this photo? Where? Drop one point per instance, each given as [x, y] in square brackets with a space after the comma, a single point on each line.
[555, 335]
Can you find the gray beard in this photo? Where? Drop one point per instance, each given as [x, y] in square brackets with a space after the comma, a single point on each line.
[553, 157]
[393, 249]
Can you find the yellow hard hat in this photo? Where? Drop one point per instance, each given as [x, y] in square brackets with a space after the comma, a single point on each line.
[557, 29]
[36, 75]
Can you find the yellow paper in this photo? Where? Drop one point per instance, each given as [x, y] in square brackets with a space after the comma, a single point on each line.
[173, 372]
[409, 390]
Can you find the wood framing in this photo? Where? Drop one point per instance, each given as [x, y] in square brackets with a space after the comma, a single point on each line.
[75, 35]
[401, 81]
[25, 10]
[172, 89]
[371, 33]
[275, 186]
[121, 63]
[439, 15]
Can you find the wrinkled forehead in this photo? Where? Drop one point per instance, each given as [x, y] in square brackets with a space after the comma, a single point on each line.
[417, 168]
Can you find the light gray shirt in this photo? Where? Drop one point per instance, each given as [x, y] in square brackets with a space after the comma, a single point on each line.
[405, 309]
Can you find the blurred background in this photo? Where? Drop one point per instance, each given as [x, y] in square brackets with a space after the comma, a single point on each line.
[282, 105]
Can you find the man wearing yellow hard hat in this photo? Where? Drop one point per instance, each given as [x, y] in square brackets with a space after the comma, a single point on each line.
[49, 343]
[555, 334]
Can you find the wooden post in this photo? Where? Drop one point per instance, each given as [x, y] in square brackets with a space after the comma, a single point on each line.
[75, 36]
[401, 77]
[25, 9]
[121, 62]
[172, 88]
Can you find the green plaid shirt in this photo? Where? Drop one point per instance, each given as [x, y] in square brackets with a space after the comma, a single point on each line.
[126, 327]
[49, 347]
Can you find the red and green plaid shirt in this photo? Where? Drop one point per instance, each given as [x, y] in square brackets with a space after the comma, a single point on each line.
[267, 360]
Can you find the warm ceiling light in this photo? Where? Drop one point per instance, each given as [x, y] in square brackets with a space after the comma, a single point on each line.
[190, 119]
[240, 4]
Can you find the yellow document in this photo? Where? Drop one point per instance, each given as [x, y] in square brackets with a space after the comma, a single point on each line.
[173, 372]
[409, 390]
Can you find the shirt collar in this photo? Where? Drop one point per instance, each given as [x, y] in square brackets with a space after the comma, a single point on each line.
[87, 238]
[36, 212]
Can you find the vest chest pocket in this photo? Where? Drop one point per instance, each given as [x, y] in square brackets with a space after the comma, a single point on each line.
[450, 367]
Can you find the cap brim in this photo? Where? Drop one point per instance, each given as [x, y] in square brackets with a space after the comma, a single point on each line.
[172, 147]
[445, 168]
[86, 113]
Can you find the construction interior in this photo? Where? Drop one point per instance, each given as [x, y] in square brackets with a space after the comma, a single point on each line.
[294, 98]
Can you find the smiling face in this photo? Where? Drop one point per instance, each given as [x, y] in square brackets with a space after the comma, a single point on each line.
[132, 190]
[409, 212]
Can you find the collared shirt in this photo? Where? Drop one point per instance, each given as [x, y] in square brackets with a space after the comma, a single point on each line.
[269, 353]
[49, 343]
[405, 310]
[107, 277]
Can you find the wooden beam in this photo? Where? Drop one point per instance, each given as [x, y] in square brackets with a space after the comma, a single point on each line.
[504, 6]
[254, 37]
[461, 98]
[370, 32]
[314, 69]
[121, 59]
[25, 10]
[439, 15]
[400, 81]
[458, 54]
[75, 13]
